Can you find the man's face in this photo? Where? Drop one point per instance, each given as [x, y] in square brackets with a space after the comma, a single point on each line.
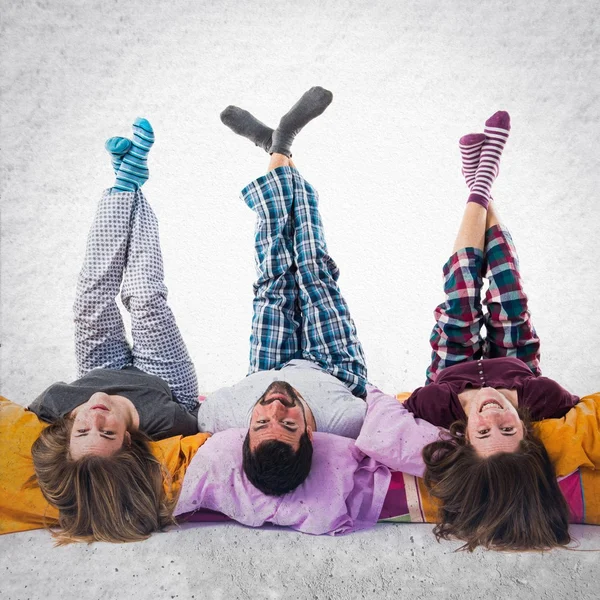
[278, 415]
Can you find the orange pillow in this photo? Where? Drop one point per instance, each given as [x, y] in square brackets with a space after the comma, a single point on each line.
[22, 508]
[573, 442]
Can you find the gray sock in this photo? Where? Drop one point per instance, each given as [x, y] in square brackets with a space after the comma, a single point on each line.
[243, 123]
[311, 105]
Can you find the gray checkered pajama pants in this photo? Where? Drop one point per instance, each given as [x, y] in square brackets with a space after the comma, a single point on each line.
[123, 253]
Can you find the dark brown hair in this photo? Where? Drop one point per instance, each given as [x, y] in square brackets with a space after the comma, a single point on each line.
[505, 501]
[274, 467]
[117, 498]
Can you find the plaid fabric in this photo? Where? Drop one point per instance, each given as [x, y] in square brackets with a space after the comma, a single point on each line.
[508, 322]
[123, 252]
[299, 311]
[456, 336]
[275, 336]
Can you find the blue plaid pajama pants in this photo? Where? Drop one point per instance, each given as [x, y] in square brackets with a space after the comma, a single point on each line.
[456, 336]
[299, 310]
[123, 253]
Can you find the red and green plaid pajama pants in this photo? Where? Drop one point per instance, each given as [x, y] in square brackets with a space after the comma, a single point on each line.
[457, 335]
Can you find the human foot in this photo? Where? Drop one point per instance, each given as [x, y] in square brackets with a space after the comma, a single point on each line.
[243, 123]
[496, 131]
[133, 169]
[470, 151]
[117, 147]
[311, 105]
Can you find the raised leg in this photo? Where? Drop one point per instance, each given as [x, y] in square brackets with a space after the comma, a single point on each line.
[132, 165]
[508, 321]
[274, 339]
[279, 141]
[312, 103]
[158, 347]
[329, 335]
[100, 341]
[243, 123]
[470, 151]
[456, 335]
[497, 129]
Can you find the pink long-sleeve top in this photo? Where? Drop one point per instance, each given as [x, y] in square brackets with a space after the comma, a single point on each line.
[345, 489]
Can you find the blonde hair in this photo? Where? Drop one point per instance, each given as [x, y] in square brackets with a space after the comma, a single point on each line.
[117, 498]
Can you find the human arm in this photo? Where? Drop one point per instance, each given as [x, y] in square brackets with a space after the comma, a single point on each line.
[435, 403]
[393, 436]
[344, 491]
[546, 399]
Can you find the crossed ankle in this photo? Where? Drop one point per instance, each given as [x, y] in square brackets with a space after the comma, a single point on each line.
[129, 157]
[278, 141]
[496, 132]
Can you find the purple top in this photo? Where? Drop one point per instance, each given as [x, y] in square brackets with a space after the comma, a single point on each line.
[438, 402]
[345, 490]
[393, 436]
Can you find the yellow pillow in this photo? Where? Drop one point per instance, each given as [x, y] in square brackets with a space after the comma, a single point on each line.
[23, 508]
[572, 442]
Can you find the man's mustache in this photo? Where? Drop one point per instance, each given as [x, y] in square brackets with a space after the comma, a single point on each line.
[285, 401]
[289, 398]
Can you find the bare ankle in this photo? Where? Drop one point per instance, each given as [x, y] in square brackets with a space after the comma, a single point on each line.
[278, 160]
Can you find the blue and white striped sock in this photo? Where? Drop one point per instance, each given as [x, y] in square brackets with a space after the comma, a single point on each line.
[117, 147]
[133, 170]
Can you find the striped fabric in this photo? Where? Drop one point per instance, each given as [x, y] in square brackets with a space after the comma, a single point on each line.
[132, 171]
[299, 311]
[470, 150]
[496, 131]
[456, 336]
[117, 147]
[507, 321]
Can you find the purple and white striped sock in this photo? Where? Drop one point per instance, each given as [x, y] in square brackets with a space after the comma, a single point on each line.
[496, 131]
[470, 150]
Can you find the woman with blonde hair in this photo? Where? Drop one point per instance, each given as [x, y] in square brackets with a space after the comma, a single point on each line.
[93, 461]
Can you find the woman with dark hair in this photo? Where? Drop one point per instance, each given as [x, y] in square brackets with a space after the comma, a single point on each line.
[494, 479]
[93, 462]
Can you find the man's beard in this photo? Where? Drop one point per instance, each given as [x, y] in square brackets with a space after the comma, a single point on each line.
[291, 396]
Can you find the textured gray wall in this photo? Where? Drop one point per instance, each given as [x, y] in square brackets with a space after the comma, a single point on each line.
[409, 78]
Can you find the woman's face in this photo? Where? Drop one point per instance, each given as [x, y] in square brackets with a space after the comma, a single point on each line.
[493, 423]
[100, 426]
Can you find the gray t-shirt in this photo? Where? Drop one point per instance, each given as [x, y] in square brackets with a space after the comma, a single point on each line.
[334, 407]
[160, 416]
